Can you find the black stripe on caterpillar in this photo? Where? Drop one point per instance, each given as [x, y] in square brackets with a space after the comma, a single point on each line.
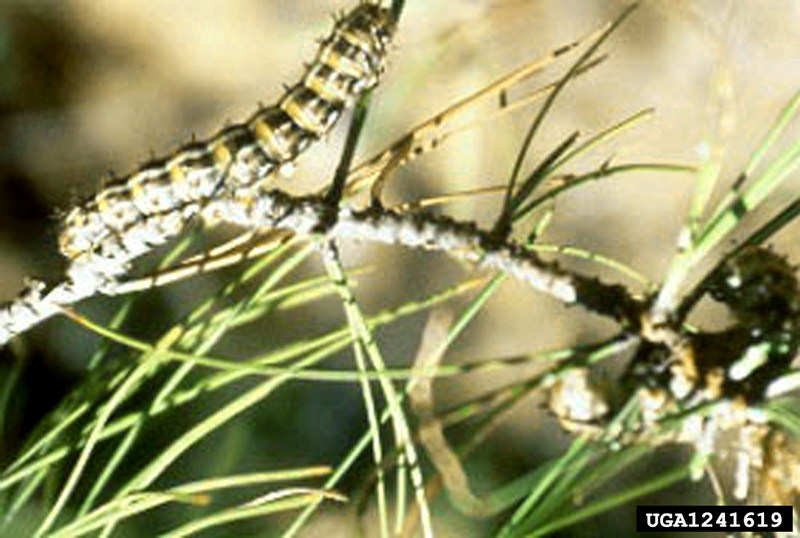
[148, 207]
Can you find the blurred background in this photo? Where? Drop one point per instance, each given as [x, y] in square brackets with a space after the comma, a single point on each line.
[87, 87]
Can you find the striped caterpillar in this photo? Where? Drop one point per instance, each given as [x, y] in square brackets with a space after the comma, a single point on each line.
[148, 207]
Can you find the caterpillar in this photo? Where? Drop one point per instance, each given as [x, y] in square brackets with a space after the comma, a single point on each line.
[130, 217]
[760, 287]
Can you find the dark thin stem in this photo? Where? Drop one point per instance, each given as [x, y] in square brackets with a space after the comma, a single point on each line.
[334, 195]
[541, 172]
[397, 9]
[505, 218]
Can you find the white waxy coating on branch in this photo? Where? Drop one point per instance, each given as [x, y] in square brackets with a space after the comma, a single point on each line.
[304, 217]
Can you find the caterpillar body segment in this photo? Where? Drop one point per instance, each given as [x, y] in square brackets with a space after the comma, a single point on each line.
[148, 207]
